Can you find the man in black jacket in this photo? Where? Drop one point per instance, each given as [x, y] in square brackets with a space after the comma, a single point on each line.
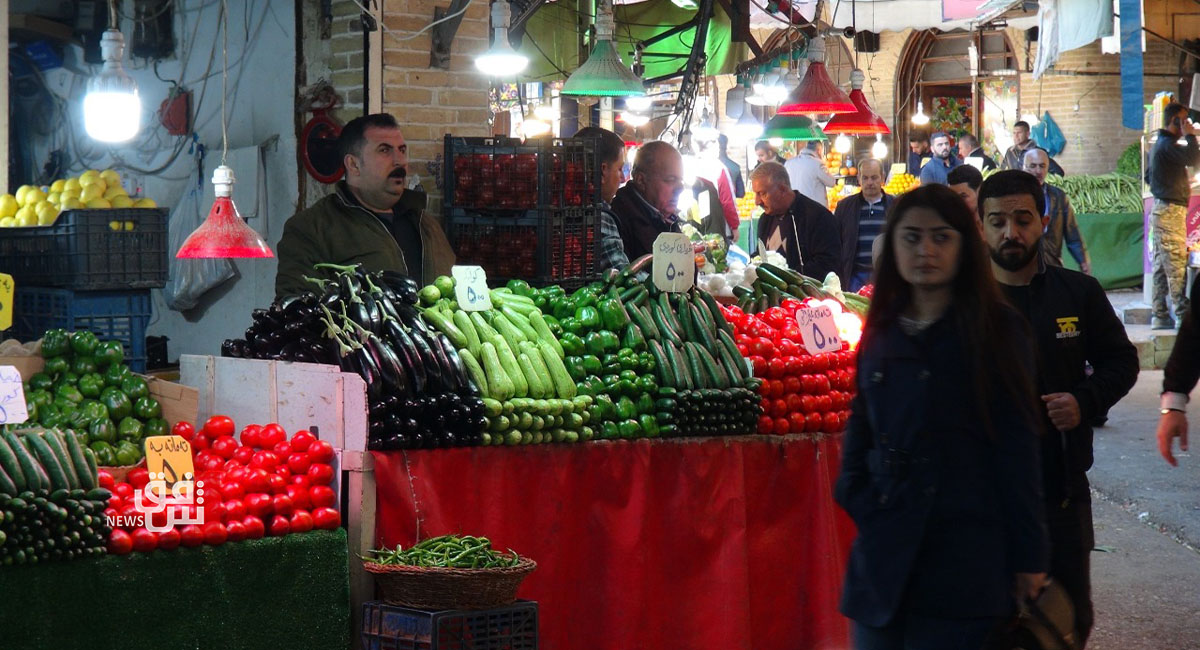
[1171, 188]
[1179, 378]
[801, 229]
[645, 207]
[968, 147]
[860, 220]
[1073, 325]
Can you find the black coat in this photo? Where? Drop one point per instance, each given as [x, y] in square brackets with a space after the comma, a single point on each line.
[639, 223]
[846, 216]
[812, 244]
[946, 516]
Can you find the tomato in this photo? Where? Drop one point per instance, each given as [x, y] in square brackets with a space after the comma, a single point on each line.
[320, 474]
[282, 449]
[144, 541]
[123, 490]
[236, 531]
[788, 348]
[299, 496]
[766, 425]
[159, 519]
[824, 403]
[792, 333]
[214, 510]
[264, 460]
[215, 533]
[257, 481]
[759, 364]
[762, 347]
[301, 440]
[798, 422]
[300, 479]
[781, 426]
[120, 543]
[775, 317]
[105, 479]
[831, 422]
[224, 447]
[821, 362]
[191, 536]
[280, 526]
[243, 455]
[326, 518]
[298, 463]
[168, 540]
[808, 384]
[200, 442]
[271, 435]
[812, 422]
[792, 385]
[822, 384]
[258, 504]
[276, 484]
[322, 496]
[251, 434]
[779, 408]
[212, 464]
[218, 425]
[843, 418]
[794, 403]
[235, 509]
[790, 306]
[301, 522]
[138, 478]
[254, 527]
[320, 452]
[282, 504]
[184, 430]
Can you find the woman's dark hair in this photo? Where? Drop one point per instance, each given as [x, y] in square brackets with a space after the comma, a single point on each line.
[980, 310]
[609, 146]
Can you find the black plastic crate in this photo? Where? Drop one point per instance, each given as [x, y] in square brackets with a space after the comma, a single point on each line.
[540, 246]
[112, 315]
[388, 627]
[121, 248]
[507, 174]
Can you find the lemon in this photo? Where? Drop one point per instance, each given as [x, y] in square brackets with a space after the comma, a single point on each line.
[34, 196]
[71, 203]
[8, 205]
[91, 192]
[8, 222]
[91, 173]
[114, 191]
[145, 202]
[46, 213]
[26, 216]
[114, 225]
[57, 186]
[121, 201]
[111, 177]
[93, 181]
[21, 192]
[98, 204]
[71, 185]
[54, 197]
[128, 225]
[69, 194]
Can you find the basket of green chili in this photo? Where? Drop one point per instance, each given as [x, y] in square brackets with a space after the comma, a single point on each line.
[448, 572]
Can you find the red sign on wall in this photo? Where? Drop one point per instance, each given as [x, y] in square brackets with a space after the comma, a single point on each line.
[960, 9]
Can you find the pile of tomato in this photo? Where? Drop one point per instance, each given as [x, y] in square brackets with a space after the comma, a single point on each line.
[801, 393]
[261, 483]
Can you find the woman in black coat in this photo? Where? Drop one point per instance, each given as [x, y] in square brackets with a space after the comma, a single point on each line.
[939, 469]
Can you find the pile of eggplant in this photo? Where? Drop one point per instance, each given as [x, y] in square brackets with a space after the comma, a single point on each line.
[418, 391]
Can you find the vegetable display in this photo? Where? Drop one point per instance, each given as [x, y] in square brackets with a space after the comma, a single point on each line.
[447, 552]
[772, 285]
[1102, 194]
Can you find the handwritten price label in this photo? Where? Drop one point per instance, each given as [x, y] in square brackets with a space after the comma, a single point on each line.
[818, 329]
[169, 455]
[674, 264]
[6, 300]
[470, 288]
[12, 396]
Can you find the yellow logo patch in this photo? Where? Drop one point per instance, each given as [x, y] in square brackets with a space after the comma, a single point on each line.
[1068, 327]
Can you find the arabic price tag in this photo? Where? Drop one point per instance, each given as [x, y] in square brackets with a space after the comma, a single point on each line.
[12, 396]
[470, 288]
[818, 329]
[6, 300]
[169, 455]
[674, 263]
[897, 169]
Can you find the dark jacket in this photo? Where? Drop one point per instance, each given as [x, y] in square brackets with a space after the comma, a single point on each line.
[1063, 228]
[846, 216]
[1074, 324]
[639, 222]
[936, 170]
[946, 515]
[1168, 168]
[988, 162]
[811, 241]
[735, 173]
[1183, 366]
[337, 229]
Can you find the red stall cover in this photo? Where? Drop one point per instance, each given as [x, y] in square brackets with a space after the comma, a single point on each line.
[681, 544]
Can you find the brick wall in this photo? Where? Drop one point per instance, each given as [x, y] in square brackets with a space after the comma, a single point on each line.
[346, 58]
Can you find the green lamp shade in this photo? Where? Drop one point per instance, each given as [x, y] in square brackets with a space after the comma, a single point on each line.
[792, 127]
[604, 75]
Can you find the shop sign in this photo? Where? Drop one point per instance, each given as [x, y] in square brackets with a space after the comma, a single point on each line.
[674, 263]
[818, 329]
[6, 300]
[471, 289]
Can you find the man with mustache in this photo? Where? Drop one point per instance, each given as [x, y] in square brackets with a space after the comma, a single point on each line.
[370, 218]
[1073, 324]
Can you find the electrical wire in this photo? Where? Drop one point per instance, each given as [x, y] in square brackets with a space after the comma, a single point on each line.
[420, 31]
[225, 77]
[545, 56]
[162, 10]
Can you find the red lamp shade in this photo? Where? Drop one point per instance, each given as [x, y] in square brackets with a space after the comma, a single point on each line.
[224, 233]
[863, 121]
[817, 93]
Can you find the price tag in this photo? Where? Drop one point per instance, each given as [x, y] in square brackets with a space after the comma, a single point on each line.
[6, 301]
[470, 288]
[171, 456]
[12, 396]
[897, 169]
[818, 329]
[674, 263]
[974, 161]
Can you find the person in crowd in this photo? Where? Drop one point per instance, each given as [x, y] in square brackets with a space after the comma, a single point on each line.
[1171, 188]
[797, 227]
[965, 180]
[710, 168]
[808, 174]
[1062, 226]
[968, 147]
[1179, 378]
[1073, 325]
[939, 463]
[918, 151]
[860, 219]
[764, 152]
[646, 206]
[943, 160]
[1014, 157]
[735, 170]
[610, 150]
[369, 218]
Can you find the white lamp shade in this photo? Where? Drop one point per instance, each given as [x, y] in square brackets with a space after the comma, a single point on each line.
[112, 111]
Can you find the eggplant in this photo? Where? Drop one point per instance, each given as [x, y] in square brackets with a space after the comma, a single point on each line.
[389, 367]
[411, 318]
[374, 314]
[369, 371]
[462, 382]
[410, 358]
[428, 361]
[348, 285]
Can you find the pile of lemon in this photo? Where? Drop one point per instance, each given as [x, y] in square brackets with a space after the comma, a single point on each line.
[40, 206]
[901, 183]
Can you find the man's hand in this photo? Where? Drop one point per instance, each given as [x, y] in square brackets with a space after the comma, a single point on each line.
[1173, 424]
[1086, 268]
[1063, 410]
[1030, 585]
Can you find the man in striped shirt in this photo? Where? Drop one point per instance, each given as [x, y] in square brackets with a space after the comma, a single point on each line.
[860, 219]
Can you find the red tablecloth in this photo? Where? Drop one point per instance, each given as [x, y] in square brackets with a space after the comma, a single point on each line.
[680, 544]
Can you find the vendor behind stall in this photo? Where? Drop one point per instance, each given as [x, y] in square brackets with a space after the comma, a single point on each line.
[370, 218]
[645, 207]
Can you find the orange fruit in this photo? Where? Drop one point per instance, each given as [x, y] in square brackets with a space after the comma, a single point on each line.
[853, 171]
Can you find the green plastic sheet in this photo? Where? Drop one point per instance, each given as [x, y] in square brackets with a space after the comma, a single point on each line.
[1114, 244]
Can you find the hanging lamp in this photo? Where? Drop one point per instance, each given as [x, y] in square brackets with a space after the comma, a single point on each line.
[920, 118]
[748, 127]
[604, 74]
[793, 127]
[112, 111]
[224, 233]
[501, 60]
[817, 93]
[879, 150]
[863, 121]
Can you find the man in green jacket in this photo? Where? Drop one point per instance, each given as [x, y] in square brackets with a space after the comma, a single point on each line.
[370, 218]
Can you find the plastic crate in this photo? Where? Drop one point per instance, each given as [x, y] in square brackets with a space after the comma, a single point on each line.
[506, 174]
[389, 627]
[540, 246]
[111, 315]
[82, 251]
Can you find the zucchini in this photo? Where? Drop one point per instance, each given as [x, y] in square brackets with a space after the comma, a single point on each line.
[8, 462]
[520, 321]
[485, 331]
[474, 370]
[511, 334]
[29, 466]
[500, 387]
[539, 325]
[85, 473]
[463, 321]
[543, 371]
[508, 360]
[442, 323]
[40, 448]
[558, 372]
[536, 389]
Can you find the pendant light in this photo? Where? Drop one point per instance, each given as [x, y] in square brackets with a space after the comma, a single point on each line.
[224, 233]
[920, 118]
[862, 121]
[879, 150]
[604, 73]
[748, 127]
[501, 60]
[841, 144]
[793, 127]
[112, 111]
[817, 93]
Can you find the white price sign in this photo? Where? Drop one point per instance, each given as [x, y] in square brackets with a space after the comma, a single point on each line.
[818, 329]
[12, 397]
[674, 263]
[470, 288]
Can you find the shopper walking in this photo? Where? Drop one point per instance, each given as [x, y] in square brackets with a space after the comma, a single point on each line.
[939, 467]
[1073, 325]
[1170, 186]
[808, 175]
[860, 220]
[1062, 227]
[943, 160]
[1179, 378]
[965, 181]
[735, 170]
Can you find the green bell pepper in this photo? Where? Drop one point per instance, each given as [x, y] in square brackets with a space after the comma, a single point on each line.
[69, 392]
[57, 366]
[644, 404]
[110, 352]
[648, 384]
[520, 287]
[131, 429]
[589, 317]
[626, 408]
[649, 426]
[633, 338]
[601, 342]
[91, 410]
[572, 344]
[40, 381]
[575, 368]
[135, 387]
[55, 343]
[91, 384]
[66, 406]
[628, 375]
[146, 408]
[614, 314]
[646, 362]
[115, 374]
[83, 343]
[49, 416]
[127, 454]
[106, 456]
[629, 361]
[584, 297]
[68, 378]
[608, 408]
[610, 431]
[41, 397]
[84, 365]
[630, 429]
[610, 382]
[563, 308]
[102, 431]
[117, 402]
[554, 325]
[591, 364]
[625, 387]
[155, 427]
[572, 325]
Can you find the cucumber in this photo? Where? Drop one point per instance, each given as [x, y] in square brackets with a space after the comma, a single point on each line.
[769, 276]
[500, 386]
[666, 375]
[714, 310]
[695, 367]
[8, 462]
[6, 484]
[539, 325]
[508, 360]
[85, 473]
[787, 276]
[663, 325]
[668, 314]
[715, 371]
[642, 319]
[475, 370]
[90, 457]
[520, 321]
[558, 372]
[683, 371]
[485, 331]
[536, 389]
[29, 466]
[463, 320]
[59, 447]
[58, 478]
[731, 354]
[98, 494]
[704, 332]
[511, 334]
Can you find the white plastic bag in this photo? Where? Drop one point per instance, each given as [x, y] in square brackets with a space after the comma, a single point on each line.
[189, 279]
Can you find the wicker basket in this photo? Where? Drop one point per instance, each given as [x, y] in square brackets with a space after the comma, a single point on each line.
[438, 588]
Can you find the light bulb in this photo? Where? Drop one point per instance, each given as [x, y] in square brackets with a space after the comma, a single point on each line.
[747, 127]
[534, 127]
[879, 150]
[634, 119]
[920, 118]
[501, 60]
[775, 142]
[638, 103]
[112, 111]
[546, 113]
[842, 144]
